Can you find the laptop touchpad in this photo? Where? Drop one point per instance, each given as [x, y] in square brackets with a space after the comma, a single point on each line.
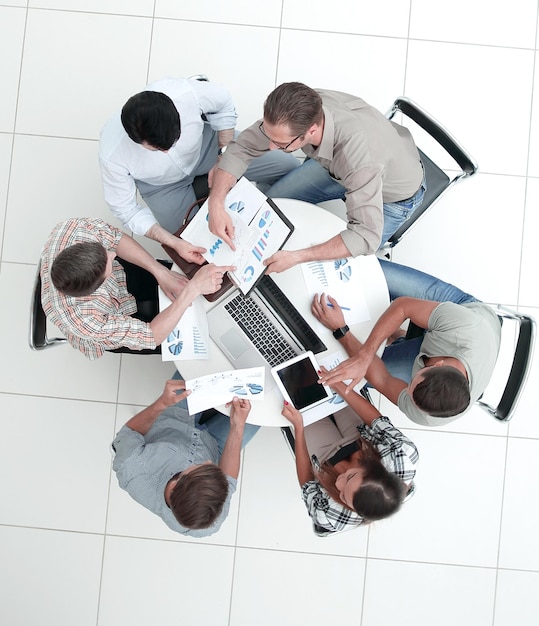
[234, 343]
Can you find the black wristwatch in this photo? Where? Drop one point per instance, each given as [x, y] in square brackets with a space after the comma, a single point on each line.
[339, 333]
[221, 150]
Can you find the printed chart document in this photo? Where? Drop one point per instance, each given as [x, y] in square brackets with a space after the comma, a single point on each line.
[216, 389]
[260, 229]
[190, 338]
[341, 280]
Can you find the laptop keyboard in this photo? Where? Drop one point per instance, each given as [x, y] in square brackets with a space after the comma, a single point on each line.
[260, 330]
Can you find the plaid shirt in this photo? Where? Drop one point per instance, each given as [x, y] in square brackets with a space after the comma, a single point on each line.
[399, 456]
[101, 321]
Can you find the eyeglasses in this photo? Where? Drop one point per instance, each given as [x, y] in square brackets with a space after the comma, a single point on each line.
[275, 143]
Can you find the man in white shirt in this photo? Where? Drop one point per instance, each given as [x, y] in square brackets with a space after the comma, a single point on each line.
[164, 137]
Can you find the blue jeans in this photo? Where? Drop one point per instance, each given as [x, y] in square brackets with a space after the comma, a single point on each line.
[312, 183]
[401, 280]
[219, 425]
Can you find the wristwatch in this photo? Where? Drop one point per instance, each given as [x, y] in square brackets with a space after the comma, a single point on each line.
[339, 333]
[222, 150]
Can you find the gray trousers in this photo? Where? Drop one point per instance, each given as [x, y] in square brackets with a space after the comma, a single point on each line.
[169, 203]
[324, 438]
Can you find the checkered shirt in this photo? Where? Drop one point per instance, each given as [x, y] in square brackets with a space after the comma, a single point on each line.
[101, 321]
[399, 456]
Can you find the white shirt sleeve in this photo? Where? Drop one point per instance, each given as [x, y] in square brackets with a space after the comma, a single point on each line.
[216, 104]
[121, 196]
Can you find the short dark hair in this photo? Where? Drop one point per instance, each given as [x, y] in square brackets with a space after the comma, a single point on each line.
[79, 269]
[294, 105]
[198, 497]
[443, 392]
[151, 117]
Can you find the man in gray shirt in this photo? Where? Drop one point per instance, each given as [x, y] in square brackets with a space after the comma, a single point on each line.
[436, 376]
[178, 468]
[354, 152]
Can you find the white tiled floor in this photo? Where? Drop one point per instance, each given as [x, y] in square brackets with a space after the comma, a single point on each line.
[77, 550]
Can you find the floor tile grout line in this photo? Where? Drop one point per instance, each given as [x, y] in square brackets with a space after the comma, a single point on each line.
[13, 134]
[281, 27]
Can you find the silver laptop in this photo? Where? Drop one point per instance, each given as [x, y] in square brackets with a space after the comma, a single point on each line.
[264, 329]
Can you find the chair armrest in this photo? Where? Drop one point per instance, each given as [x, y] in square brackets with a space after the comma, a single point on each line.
[428, 123]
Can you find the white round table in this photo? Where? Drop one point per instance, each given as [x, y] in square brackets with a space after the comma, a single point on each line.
[312, 224]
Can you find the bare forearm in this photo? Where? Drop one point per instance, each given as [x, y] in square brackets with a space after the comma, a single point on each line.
[222, 183]
[224, 137]
[165, 321]
[143, 421]
[334, 248]
[390, 321]
[158, 233]
[230, 459]
[304, 468]
[130, 250]
[377, 373]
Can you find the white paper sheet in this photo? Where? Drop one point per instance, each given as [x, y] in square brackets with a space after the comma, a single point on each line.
[341, 280]
[216, 389]
[190, 337]
[258, 233]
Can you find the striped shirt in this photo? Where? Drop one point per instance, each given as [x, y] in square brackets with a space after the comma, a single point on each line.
[101, 321]
[398, 455]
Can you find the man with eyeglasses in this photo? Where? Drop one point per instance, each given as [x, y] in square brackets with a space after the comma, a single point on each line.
[354, 153]
[165, 144]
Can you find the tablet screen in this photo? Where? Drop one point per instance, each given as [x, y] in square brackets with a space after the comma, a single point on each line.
[300, 380]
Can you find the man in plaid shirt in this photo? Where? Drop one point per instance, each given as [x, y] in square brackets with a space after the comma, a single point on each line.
[85, 294]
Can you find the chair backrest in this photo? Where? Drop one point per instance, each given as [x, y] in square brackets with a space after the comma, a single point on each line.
[37, 335]
[520, 367]
[438, 182]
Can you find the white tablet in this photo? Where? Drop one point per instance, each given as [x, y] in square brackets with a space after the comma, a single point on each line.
[297, 380]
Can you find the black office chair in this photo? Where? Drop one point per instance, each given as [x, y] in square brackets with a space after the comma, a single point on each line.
[438, 182]
[505, 408]
[37, 336]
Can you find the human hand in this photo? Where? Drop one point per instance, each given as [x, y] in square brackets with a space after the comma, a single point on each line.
[327, 311]
[281, 261]
[292, 415]
[239, 411]
[354, 369]
[169, 397]
[189, 252]
[209, 278]
[172, 283]
[220, 223]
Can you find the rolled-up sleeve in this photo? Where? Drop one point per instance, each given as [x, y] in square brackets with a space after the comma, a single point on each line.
[216, 104]
[121, 195]
[126, 443]
[364, 210]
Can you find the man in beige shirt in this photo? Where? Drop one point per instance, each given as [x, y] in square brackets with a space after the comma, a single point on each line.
[354, 152]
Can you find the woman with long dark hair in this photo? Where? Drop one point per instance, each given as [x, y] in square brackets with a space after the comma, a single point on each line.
[353, 467]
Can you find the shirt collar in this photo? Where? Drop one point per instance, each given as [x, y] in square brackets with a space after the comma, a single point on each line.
[325, 149]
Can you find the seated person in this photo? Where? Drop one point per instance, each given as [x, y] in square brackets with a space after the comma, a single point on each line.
[179, 469]
[166, 136]
[354, 153]
[353, 469]
[86, 294]
[433, 378]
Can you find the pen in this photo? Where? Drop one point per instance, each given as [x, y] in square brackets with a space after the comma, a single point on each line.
[344, 308]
